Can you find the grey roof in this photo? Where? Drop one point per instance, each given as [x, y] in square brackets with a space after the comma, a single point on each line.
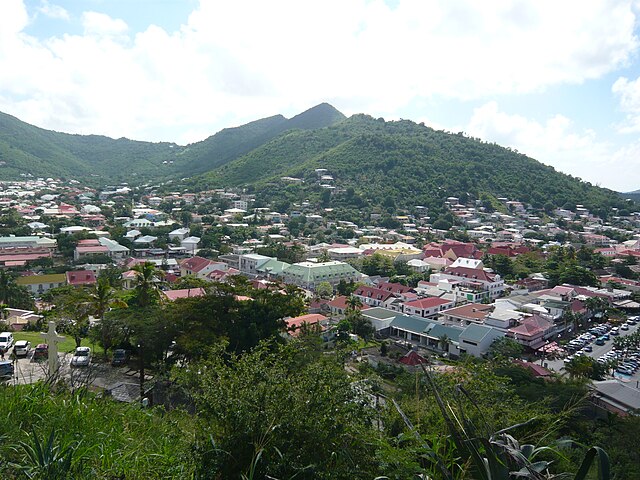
[439, 331]
[619, 392]
[410, 324]
[145, 239]
[112, 245]
[379, 313]
[476, 333]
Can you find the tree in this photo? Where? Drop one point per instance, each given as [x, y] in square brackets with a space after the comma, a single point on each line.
[273, 408]
[101, 298]
[504, 348]
[324, 290]
[73, 308]
[580, 366]
[14, 295]
[146, 284]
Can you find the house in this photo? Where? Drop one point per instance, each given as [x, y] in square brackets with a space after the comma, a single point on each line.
[412, 359]
[395, 288]
[38, 284]
[532, 332]
[190, 244]
[467, 263]
[173, 295]
[179, 234]
[31, 241]
[426, 333]
[296, 324]
[467, 314]
[344, 253]
[80, 277]
[200, 267]
[338, 306]
[379, 317]
[114, 249]
[537, 371]
[249, 263]
[473, 278]
[17, 319]
[371, 296]
[89, 247]
[427, 307]
[145, 241]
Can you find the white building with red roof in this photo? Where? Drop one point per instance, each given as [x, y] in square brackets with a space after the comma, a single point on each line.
[200, 267]
[473, 278]
[427, 307]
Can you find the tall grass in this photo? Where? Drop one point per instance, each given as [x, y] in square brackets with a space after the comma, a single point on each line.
[90, 437]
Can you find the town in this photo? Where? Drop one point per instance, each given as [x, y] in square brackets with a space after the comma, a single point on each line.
[558, 287]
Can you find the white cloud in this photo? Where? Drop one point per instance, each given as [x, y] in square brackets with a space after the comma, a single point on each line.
[556, 142]
[235, 61]
[99, 24]
[53, 11]
[628, 93]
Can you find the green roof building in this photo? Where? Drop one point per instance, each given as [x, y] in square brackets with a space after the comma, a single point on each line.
[309, 274]
[38, 284]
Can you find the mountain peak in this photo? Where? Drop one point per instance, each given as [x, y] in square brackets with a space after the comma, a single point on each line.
[322, 115]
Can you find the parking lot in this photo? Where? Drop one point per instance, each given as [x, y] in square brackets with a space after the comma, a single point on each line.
[601, 351]
[98, 375]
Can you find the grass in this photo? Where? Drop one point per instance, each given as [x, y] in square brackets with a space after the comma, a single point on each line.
[68, 345]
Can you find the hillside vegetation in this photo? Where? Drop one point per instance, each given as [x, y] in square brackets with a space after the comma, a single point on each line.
[26, 149]
[405, 164]
[375, 164]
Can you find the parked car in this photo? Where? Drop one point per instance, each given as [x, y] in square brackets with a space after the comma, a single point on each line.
[41, 352]
[6, 369]
[6, 341]
[600, 341]
[81, 357]
[624, 327]
[22, 348]
[120, 357]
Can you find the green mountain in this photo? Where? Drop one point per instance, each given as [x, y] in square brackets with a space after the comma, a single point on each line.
[232, 143]
[375, 165]
[401, 163]
[26, 149]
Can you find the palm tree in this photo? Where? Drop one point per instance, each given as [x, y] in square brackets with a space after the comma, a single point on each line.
[580, 366]
[146, 284]
[353, 303]
[102, 298]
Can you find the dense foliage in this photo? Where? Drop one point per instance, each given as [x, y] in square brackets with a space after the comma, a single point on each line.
[25, 149]
[405, 164]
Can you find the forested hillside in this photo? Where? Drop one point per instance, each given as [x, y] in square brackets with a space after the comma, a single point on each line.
[26, 149]
[405, 164]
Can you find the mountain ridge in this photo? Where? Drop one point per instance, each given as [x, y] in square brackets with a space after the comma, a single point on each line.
[28, 149]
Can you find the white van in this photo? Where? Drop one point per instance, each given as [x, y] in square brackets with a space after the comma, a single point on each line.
[6, 341]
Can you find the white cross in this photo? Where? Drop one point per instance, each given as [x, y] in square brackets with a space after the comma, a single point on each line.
[52, 339]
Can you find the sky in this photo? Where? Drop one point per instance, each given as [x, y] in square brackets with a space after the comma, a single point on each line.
[556, 80]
